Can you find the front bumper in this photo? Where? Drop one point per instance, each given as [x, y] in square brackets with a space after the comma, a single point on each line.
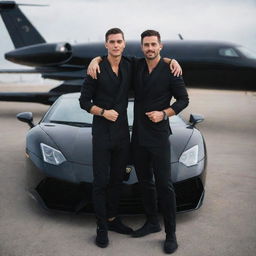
[55, 193]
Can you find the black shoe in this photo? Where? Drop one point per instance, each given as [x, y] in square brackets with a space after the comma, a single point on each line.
[117, 226]
[146, 229]
[170, 244]
[102, 237]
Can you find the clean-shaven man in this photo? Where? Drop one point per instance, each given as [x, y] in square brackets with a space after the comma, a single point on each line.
[107, 98]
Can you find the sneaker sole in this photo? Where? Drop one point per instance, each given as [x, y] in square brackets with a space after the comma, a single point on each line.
[170, 251]
[101, 245]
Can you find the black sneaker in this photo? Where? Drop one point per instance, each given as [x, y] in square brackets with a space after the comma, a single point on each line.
[170, 244]
[146, 229]
[119, 227]
[101, 237]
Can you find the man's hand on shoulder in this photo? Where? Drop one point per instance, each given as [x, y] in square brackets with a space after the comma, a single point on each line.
[175, 68]
[94, 67]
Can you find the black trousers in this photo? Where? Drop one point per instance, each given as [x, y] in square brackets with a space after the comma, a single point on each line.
[109, 164]
[152, 166]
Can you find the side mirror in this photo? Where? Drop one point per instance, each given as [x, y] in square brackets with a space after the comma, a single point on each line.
[195, 119]
[26, 117]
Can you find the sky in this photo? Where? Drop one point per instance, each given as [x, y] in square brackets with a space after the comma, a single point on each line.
[81, 21]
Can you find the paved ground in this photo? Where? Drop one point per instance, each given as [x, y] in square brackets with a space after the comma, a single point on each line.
[224, 226]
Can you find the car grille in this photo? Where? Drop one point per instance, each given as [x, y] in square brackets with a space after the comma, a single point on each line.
[65, 196]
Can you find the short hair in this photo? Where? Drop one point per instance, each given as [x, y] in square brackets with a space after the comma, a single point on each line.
[150, 32]
[113, 31]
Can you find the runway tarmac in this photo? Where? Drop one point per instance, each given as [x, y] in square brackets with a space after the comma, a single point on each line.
[224, 226]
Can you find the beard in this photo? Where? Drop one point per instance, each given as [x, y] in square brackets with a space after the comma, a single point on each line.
[151, 57]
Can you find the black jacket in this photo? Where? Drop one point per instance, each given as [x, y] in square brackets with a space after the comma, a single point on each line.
[154, 92]
[109, 92]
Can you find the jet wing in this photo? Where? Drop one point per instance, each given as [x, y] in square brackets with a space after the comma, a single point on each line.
[18, 71]
[43, 97]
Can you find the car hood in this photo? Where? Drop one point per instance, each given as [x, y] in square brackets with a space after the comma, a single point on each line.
[75, 143]
[179, 140]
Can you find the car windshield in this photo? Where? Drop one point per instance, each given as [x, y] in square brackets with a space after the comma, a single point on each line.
[66, 110]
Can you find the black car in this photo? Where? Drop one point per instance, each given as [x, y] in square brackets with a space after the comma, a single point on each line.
[59, 160]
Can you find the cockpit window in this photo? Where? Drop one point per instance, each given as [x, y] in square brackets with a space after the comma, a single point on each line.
[247, 52]
[228, 52]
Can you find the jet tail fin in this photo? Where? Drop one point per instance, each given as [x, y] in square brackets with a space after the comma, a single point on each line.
[21, 31]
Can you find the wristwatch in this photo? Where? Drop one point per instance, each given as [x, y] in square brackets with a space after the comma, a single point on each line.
[165, 117]
[102, 112]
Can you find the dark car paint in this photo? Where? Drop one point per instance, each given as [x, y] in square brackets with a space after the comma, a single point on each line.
[76, 173]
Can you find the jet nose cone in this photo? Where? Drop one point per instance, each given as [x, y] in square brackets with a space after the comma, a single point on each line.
[41, 54]
[10, 55]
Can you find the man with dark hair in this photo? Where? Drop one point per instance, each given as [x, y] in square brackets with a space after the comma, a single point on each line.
[150, 32]
[113, 31]
[107, 98]
[154, 88]
[93, 68]
[85, 96]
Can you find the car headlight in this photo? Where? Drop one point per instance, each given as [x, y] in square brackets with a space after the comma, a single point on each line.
[190, 156]
[52, 155]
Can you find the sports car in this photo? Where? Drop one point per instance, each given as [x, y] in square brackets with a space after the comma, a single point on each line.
[59, 160]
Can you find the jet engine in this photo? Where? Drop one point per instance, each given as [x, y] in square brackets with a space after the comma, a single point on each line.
[45, 54]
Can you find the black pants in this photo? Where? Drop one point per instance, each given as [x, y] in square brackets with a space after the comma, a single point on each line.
[150, 163]
[109, 163]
